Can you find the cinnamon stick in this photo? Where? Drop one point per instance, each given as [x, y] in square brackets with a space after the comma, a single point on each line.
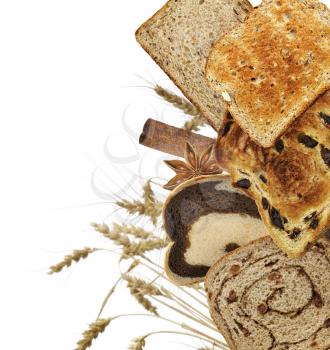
[169, 139]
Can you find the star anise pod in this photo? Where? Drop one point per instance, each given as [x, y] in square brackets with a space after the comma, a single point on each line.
[195, 165]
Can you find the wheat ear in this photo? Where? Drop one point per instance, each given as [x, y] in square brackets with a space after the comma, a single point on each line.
[94, 330]
[177, 101]
[75, 256]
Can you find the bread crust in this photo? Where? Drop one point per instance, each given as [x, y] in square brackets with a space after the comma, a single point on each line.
[274, 66]
[213, 118]
[262, 249]
[293, 177]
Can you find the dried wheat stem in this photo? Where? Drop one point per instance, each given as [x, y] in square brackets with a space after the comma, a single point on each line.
[186, 305]
[188, 328]
[182, 325]
[194, 124]
[142, 247]
[130, 249]
[137, 344]
[177, 101]
[193, 297]
[201, 292]
[185, 334]
[191, 310]
[134, 264]
[107, 297]
[75, 256]
[179, 287]
[151, 262]
[150, 206]
[136, 232]
[139, 289]
[183, 313]
[94, 330]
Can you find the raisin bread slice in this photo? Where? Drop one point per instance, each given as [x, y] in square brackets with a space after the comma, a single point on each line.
[260, 299]
[273, 66]
[290, 182]
[179, 37]
[206, 218]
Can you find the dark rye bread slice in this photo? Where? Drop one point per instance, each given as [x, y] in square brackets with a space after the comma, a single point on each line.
[290, 182]
[262, 300]
[273, 66]
[179, 36]
[206, 218]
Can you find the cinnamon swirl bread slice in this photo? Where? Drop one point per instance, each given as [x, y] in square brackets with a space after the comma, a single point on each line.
[262, 300]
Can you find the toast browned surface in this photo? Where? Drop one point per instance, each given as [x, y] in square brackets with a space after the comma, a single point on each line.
[262, 300]
[290, 182]
[179, 36]
[206, 218]
[273, 66]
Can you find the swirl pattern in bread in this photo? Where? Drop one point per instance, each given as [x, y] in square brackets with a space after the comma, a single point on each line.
[262, 300]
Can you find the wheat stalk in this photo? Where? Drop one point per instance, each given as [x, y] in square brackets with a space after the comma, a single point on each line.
[140, 341]
[194, 124]
[136, 232]
[152, 210]
[130, 249]
[149, 207]
[177, 101]
[139, 289]
[94, 330]
[137, 344]
[75, 256]
[136, 241]
[115, 236]
[182, 104]
[143, 247]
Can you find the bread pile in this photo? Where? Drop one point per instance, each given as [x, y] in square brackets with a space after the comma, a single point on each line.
[261, 77]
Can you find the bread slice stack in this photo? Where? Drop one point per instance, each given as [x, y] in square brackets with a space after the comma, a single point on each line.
[261, 299]
[179, 37]
[270, 68]
[274, 71]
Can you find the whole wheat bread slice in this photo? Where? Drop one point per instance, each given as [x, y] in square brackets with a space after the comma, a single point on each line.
[179, 36]
[260, 299]
[273, 66]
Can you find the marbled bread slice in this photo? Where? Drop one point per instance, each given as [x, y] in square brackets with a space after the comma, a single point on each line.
[290, 182]
[260, 299]
[206, 218]
[179, 36]
[273, 66]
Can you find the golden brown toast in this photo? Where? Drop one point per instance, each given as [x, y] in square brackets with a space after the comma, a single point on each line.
[274, 66]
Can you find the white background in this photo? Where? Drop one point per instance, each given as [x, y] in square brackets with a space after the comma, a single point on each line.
[68, 78]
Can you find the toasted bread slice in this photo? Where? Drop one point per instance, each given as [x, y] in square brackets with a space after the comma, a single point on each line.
[179, 36]
[273, 66]
[261, 299]
[290, 182]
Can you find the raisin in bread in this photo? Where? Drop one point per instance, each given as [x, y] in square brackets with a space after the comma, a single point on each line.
[206, 218]
[179, 37]
[260, 299]
[290, 182]
[273, 66]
